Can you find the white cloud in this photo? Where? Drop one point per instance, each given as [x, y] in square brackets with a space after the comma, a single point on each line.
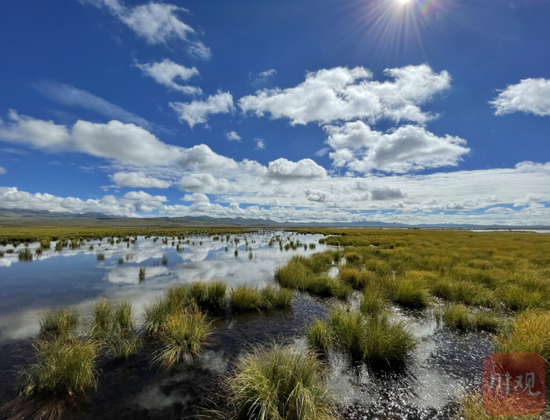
[529, 96]
[317, 195]
[345, 94]
[196, 197]
[528, 199]
[260, 145]
[233, 136]
[137, 180]
[71, 96]
[286, 170]
[268, 73]
[125, 143]
[405, 149]
[204, 183]
[132, 202]
[201, 157]
[165, 73]
[197, 112]
[157, 23]
[2, 170]
[386, 193]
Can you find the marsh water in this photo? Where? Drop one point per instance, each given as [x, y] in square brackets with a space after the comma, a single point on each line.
[444, 366]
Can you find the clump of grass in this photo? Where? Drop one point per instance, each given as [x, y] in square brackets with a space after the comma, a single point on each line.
[210, 295]
[374, 300]
[377, 340]
[352, 258]
[307, 275]
[459, 317]
[280, 383]
[530, 333]
[246, 298]
[61, 368]
[141, 274]
[113, 325]
[356, 278]
[388, 343]
[121, 261]
[101, 325]
[183, 336]
[466, 292]
[25, 255]
[60, 323]
[471, 408]
[164, 260]
[410, 292]
[518, 298]
[320, 336]
[277, 297]
[156, 314]
[100, 257]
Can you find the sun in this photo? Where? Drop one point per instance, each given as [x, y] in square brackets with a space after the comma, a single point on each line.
[404, 2]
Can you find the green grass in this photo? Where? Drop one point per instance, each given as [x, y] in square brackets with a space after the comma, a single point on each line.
[61, 323]
[101, 324]
[183, 335]
[320, 336]
[61, 368]
[247, 298]
[209, 295]
[100, 257]
[356, 278]
[410, 291]
[529, 333]
[141, 274]
[373, 301]
[280, 383]
[155, 315]
[518, 298]
[378, 340]
[460, 317]
[471, 408]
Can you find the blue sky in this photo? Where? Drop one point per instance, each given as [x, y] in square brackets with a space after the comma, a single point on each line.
[419, 111]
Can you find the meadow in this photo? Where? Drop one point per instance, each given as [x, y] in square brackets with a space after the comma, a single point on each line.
[493, 284]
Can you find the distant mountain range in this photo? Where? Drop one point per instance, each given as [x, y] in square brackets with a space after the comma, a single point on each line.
[22, 217]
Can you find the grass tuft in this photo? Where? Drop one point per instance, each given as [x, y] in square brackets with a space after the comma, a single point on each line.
[183, 335]
[61, 368]
[320, 336]
[280, 383]
[61, 323]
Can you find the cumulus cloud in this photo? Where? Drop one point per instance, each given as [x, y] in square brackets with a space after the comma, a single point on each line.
[204, 183]
[405, 149]
[137, 180]
[529, 96]
[125, 143]
[318, 196]
[135, 201]
[286, 170]
[203, 158]
[233, 136]
[166, 72]
[197, 112]
[2, 170]
[386, 193]
[260, 145]
[157, 23]
[72, 96]
[344, 94]
[196, 197]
